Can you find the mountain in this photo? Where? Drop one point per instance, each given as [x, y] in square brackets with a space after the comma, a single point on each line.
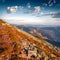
[16, 44]
[51, 34]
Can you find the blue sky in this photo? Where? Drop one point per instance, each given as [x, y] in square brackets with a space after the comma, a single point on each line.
[44, 12]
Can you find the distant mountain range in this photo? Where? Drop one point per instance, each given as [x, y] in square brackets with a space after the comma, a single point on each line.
[51, 33]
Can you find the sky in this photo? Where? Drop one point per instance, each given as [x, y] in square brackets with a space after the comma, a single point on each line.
[39, 12]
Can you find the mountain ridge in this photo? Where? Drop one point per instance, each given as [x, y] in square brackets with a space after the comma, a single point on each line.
[18, 34]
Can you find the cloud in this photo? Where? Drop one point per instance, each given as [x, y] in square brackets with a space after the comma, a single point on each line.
[21, 7]
[57, 15]
[37, 8]
[12, 9]
[45, 4]
[54, 1]
[51, 2]
[53, 13]
[28, 5]
[28, 9]
[44, 20]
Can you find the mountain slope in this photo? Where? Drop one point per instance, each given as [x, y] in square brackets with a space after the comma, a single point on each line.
[51, 34]
[16, 44]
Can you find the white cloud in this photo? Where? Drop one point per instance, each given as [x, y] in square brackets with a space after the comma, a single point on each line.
[37, 8]
[12, 9]
[45, 4]
[21, 7]
[16, 7]
[45, 20]
[52, 13]
[28, 5]
[49, 1]
[42, 13]
[51, 4]
[8, 8]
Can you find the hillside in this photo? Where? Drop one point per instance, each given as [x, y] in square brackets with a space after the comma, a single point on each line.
[51, 34]
[16, 44]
